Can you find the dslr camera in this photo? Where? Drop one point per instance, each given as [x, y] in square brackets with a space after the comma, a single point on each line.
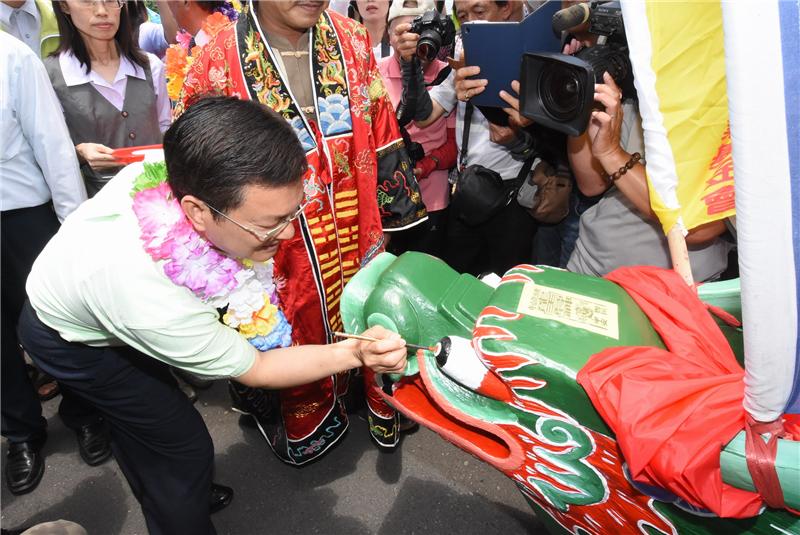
[435, 31]
[556, 90]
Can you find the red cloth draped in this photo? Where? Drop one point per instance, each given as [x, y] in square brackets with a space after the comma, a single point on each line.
[673, 410]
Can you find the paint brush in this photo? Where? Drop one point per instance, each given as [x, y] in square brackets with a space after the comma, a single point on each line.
[370, 339]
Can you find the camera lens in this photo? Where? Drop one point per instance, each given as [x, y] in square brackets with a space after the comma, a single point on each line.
[429, 44]
[560, 92]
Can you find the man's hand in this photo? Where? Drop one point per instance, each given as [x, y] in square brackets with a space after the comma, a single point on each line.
[605, 126]
[406, 46]
[387, 355]
[573, 47]
[98, 156]
[502, 135]
[515, 119]
[467, 88]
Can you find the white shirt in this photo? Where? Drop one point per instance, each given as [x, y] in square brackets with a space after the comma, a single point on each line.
[377, 51]
[482, 150]
[37, 158]
[114, 92]
[24, 23]
[94, 283]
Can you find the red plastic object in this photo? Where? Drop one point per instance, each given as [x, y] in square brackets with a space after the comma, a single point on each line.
[130, 154]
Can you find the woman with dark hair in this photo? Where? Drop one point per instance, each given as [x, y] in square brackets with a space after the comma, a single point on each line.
[372, 14]
[113, 94]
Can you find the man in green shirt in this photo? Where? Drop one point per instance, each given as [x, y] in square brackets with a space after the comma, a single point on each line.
[133, 281]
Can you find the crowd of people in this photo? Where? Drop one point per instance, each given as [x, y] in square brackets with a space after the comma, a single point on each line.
[310, 135]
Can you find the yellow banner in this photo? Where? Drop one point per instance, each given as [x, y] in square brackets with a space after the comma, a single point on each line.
[690, 106]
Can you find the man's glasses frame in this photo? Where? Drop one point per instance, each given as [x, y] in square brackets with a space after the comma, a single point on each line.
[269, 235]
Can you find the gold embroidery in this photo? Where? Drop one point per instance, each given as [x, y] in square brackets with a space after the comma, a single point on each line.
[347, 213]
[304, 410]
[345, 194]
[345, 204]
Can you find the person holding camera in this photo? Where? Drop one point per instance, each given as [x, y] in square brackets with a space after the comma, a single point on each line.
[432, 148]
[487, 238]
[622, 229]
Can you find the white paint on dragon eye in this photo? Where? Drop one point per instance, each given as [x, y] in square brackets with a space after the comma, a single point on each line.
[463, 365]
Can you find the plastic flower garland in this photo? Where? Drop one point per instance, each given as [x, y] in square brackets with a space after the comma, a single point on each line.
[245, 287]
[178, 57]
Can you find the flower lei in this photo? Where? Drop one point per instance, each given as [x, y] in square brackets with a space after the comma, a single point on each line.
[245, 287]
[179, 58]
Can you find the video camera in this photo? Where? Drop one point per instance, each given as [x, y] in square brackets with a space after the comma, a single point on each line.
[435, 31]
[556, 90]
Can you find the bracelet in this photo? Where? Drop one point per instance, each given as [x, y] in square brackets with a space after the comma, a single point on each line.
[625, 168]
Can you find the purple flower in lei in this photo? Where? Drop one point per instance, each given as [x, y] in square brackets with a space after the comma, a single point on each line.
[229, 11]
[198, 266]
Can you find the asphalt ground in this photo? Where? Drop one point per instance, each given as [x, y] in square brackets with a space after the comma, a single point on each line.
[427, 486]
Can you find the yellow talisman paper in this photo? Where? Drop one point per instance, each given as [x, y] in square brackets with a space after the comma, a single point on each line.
[575, 310]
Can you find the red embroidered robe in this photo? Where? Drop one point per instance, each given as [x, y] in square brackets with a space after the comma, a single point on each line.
[359, 182]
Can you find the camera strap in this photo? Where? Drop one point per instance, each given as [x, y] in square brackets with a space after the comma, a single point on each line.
[441, 77]
[465, 136]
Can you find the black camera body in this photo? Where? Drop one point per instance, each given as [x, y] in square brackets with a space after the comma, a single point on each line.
[611, 52]
[557, 91]
[435, 31]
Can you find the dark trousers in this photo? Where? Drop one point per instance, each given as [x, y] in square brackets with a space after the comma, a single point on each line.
[553, 244]
[159, 439]
[23, 235]
[496, 246]
[427, 237]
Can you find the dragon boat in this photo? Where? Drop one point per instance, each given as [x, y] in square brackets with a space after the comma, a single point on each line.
[501, 384]
[621, 404]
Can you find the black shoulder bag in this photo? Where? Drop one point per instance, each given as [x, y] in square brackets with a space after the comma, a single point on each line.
[480, 193]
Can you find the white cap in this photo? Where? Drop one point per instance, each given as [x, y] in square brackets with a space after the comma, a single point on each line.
[398, 9]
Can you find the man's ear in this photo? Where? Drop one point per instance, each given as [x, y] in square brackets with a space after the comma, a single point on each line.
[507, 10]
[196, 211]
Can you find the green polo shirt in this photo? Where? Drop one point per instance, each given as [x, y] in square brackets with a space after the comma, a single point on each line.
[95, 284]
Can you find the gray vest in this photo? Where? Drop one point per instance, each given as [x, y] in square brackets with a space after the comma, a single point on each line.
[93, 119]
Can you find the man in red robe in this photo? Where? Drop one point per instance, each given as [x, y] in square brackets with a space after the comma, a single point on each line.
[316, 69]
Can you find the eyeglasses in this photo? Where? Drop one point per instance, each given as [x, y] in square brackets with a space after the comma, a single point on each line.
[271, 233]
[108, 4]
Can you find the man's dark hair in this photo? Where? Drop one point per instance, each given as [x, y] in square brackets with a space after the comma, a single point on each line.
[220, 145]
[71, 40]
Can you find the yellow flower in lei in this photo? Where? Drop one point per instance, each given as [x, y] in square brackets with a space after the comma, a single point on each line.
[263, 323]
[245, 288]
